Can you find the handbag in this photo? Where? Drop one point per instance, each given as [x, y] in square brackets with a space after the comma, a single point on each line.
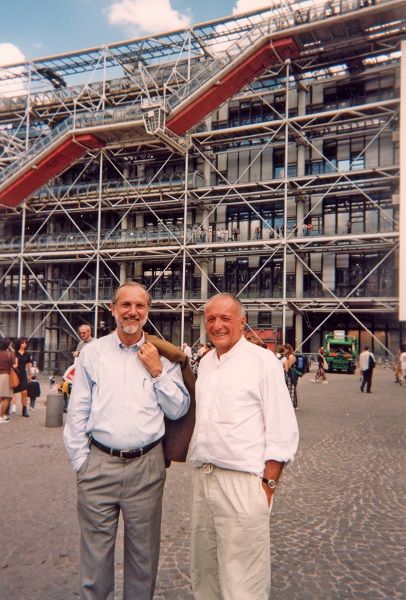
[14, 378]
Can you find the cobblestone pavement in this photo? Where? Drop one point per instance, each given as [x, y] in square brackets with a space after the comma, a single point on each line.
[337, 527]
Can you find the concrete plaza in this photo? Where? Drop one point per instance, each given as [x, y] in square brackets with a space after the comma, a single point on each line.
[337, 527]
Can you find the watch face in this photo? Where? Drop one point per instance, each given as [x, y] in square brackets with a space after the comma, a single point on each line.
[271, 484]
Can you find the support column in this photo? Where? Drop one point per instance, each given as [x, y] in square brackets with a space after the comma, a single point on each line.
[204, 286]
[123, 265]
[300, 211]
[123, 273]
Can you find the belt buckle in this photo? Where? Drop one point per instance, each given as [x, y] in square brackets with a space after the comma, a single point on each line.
[122, 453]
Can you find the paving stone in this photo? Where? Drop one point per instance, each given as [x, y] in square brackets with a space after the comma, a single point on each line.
[337, 526]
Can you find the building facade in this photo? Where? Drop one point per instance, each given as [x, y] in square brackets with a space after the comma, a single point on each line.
[256, 155]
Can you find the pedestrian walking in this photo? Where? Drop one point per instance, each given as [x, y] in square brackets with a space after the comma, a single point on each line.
[245, 432]
[291, 375]
[24, 373]
[321, 369]
[121, 392]
[397, 367]
[33, 391]
[366, 365]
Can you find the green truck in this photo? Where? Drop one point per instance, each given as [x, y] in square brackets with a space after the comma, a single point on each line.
[341, 351]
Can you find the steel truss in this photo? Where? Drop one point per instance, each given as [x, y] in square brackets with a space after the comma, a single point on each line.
[100, 187]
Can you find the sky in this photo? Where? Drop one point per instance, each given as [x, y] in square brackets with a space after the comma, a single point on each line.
[31, 29]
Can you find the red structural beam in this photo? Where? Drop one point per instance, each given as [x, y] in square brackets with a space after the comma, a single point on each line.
[230, 84]
[48, 167]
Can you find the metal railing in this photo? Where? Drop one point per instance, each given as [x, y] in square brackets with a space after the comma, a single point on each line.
[158, 236]
[86, 293]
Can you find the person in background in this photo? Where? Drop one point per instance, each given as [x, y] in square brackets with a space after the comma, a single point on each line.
[65, 390]
[291, 377]
[7, 360]
[320, 374]
[397, 367]
[85, 332]
[34, 369]
[52, 380]
[245, 432]
[280, 353]
[33, 390]
[403, 361]
[24, 373]
[187, 350]
[121, 392]
[201, 349]
[366, 365]
[254, 339]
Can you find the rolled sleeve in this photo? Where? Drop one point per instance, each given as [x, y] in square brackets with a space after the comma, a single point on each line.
[281, 429]
[172, 396]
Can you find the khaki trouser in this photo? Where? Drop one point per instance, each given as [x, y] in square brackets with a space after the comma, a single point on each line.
[230, 536]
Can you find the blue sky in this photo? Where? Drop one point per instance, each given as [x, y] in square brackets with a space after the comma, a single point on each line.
[32, 29]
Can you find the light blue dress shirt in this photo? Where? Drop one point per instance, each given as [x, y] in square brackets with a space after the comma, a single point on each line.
[116, 400]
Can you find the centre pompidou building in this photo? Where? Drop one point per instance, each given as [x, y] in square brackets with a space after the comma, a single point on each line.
[257, 154]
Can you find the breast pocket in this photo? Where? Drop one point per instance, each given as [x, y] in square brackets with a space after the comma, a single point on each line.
[231, 407]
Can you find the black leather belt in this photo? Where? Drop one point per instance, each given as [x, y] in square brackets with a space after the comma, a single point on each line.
[124, 454]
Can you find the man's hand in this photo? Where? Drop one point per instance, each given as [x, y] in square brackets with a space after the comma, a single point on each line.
[273, 469]
[269, 493]
[149, 356]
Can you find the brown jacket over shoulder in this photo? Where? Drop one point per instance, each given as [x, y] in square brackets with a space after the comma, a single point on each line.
[177, 433]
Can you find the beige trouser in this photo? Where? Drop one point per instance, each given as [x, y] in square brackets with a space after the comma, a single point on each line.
[230, 536]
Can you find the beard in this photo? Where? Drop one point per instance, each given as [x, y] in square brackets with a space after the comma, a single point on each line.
[129, 328]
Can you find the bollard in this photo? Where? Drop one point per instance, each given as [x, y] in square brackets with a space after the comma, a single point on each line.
[54, 412]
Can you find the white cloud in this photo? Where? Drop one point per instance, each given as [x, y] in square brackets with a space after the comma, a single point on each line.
[249, 5]
[10, 54]
[148, 16]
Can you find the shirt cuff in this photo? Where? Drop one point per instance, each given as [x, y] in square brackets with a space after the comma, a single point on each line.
[158, 377]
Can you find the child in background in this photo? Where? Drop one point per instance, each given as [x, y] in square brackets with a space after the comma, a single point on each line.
[33, 390]
[64, 388]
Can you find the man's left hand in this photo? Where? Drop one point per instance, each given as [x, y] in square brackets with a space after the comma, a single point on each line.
[269, 493]
[149, 356]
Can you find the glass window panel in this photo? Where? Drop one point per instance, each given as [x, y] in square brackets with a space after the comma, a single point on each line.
[371, 221]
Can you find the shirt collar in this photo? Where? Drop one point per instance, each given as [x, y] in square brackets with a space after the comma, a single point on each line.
[136, 347]
[234, 350]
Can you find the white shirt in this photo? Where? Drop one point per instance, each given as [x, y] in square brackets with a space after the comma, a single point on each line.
[403, 361]
[244, 413]
[364, 360]
[188, 351]
[115, 399]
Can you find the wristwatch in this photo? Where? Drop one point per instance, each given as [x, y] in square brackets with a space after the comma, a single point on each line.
[271, 483]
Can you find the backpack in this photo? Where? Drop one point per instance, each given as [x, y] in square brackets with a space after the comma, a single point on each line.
[371, 362]
[300, 365]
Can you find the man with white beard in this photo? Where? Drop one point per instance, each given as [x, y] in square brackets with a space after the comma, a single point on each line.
[122, 390]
